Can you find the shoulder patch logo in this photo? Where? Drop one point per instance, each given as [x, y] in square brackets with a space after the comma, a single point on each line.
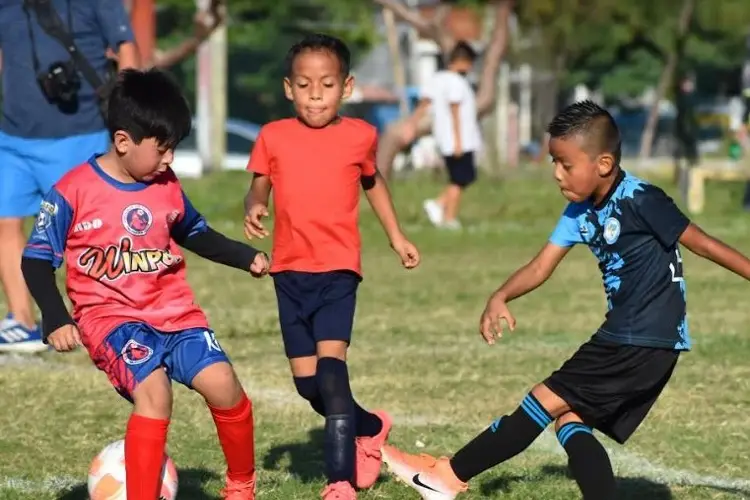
[611, 230]
[47, 212]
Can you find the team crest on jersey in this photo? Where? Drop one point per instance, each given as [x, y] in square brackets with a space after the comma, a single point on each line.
[115, 261]
[611, 230]
[137, 219]
[47, 212]
[135, 354]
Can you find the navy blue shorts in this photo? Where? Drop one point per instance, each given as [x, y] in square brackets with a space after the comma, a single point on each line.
[315, 307]
[462, 171]
[133, 351]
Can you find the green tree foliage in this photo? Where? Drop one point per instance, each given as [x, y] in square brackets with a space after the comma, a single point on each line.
[259, 34]
[622, 46]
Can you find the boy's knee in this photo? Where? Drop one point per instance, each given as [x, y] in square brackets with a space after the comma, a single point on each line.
[152, 397]
[551, 402]
[567, 418]
[333, 383]
[219, 385]
[307, 387]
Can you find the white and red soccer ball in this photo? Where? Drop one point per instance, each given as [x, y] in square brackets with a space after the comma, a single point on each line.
[107, 475]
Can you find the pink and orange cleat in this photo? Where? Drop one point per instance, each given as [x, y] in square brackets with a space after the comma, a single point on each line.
[432, 478]
[342, 490]
[369, 456]
[238, 490]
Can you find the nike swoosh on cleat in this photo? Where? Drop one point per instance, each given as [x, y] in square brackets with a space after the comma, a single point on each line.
[419, 483]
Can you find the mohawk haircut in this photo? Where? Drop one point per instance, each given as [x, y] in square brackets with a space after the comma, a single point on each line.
[324, 43]
[593, 124]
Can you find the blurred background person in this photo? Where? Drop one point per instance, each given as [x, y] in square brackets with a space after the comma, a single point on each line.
[51, 122]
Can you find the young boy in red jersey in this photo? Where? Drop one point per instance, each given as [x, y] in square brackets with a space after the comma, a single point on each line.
[315, 163]
[117, 221]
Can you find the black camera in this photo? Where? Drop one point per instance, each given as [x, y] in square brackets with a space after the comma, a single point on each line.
[61, 82]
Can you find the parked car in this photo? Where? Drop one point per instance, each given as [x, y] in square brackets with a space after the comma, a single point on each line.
[240, 136]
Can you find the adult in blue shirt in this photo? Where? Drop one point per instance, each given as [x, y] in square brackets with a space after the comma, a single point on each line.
[42, 137]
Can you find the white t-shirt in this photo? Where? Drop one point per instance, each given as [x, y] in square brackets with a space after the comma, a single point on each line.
[444, 89]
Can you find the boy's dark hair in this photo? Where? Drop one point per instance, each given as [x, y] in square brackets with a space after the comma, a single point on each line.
[462, 50]
[149, 104]
[591, 122]
[321, 42]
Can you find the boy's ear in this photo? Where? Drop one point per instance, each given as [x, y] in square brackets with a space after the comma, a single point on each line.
[122, 142]
[348, 87]
[605, 163]
[288, 89]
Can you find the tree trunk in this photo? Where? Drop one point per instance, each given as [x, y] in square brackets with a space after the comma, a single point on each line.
[399, 134]
[667, 74]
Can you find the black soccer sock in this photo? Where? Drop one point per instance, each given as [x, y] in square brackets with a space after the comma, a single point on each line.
[333, 383]
[588, 461]
[367, 424]
[505, 438]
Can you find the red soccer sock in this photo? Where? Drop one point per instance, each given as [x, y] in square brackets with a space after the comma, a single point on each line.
[235, 429]
[145, 440]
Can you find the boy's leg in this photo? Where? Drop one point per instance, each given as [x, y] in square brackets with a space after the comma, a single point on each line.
[462, 173]
[132, 357]
[587, 459]
[332, 377]
[298, 300]
[508, 436]
[304, 371]
[197, 360]
[146, 436]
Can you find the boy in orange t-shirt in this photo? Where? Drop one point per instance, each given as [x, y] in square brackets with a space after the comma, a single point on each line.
[316, 163]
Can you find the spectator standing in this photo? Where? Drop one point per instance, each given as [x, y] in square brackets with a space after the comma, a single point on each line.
[51, 121]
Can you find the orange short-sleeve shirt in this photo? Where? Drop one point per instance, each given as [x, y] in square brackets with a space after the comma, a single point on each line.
[315, 174]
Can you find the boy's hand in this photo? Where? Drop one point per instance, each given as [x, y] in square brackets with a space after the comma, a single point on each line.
[253, 226]
[490, 325]
[407, 251]
[260, 265]
[66, 338]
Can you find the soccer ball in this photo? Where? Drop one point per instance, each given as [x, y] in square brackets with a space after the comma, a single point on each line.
[107, 475]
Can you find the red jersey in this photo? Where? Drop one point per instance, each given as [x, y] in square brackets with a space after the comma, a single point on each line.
[118, 242]
[315, 174]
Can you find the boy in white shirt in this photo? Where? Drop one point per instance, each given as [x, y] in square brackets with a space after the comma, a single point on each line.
[455, 128]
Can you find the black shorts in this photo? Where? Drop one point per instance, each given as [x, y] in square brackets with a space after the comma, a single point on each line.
[315, 307]
[612, 387]
[461, 169]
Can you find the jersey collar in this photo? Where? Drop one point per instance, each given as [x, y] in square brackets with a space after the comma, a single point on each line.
[612, 189]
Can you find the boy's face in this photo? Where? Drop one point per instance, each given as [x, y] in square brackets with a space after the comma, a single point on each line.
[316, 87]
[145, 161]
[461, 65]
[578, 174]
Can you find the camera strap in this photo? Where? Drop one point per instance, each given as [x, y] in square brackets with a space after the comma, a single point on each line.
[50, 22]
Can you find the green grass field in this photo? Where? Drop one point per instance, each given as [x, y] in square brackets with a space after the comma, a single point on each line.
[416, 353]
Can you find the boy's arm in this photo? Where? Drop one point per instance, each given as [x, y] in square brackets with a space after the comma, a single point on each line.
[533, 274]
[378, 194]
[669, 225]
[115, 24]
[193, 233]
[259, 191]
[43, 255]
[381, 202]
[565, 235]
[456, 120]
[40, 280]
[260, 165]
[708, 247]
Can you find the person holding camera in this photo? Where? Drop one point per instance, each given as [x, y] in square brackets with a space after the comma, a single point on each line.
[55, 76]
